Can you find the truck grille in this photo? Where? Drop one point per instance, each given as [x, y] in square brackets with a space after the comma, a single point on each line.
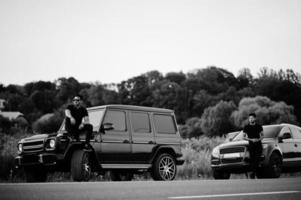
[33, 146]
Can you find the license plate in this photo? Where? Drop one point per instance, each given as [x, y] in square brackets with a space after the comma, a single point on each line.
[232, 155]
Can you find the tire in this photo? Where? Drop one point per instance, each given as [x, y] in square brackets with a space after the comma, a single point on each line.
[35, 174]
[164, 168]
[273, 169]
[121, 176]
[217, 174]
[80, 166]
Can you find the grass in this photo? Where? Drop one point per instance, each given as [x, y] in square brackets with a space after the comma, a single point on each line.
[197, 154]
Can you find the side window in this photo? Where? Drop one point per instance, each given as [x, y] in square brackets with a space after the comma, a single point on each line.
[165, 124]
[117, 119]
[95, 117]
[285, 131]
[140, 122]
[296, 133]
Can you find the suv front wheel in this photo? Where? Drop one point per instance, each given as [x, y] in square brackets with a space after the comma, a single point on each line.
[164, 168]
[80, 166]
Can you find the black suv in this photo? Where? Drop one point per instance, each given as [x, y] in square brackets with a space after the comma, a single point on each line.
[126, 140]
[281, 153]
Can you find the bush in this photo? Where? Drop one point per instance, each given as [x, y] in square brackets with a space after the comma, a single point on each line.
[48, 123]
[267, 111]
[216, 121]
[8, 151]
[5, 124]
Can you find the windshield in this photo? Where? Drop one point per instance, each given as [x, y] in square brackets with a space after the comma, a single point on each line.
[95, 117]
[268, 132]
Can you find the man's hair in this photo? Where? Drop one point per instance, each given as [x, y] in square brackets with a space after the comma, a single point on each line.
[78, 95]
[252, 114]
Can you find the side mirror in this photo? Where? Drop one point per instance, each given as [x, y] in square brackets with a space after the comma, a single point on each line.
[106, 127]
[284, 136]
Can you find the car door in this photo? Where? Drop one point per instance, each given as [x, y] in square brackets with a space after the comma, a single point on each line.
[115, 146]
[286, 144]
[143, 139]
[296, 132]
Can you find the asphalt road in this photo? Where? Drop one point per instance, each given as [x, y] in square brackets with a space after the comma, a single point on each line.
[283, 188]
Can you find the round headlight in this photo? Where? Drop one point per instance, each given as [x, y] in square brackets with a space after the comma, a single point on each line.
[52, 143]
[20, 147]
[215, 152]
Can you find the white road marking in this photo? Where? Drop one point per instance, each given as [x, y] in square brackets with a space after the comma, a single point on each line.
[233, 195]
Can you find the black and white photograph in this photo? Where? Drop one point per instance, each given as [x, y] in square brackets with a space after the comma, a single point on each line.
[150, 99]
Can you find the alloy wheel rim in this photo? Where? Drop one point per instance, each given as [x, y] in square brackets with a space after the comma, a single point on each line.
[86, 166]
[167, 168]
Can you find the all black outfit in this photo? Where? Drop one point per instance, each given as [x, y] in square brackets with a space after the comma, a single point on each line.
[73, 129]
[255, 148]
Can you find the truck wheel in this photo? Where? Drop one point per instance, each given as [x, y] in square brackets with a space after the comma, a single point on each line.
[164, 168]
[80, 166]
[35, 174]
[220, 174]
[121, 176]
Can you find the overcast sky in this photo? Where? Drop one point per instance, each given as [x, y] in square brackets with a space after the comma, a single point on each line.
[113, 40]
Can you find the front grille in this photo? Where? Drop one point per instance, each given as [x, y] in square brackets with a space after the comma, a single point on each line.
[232, 154]
[33, 146]
[232, 150]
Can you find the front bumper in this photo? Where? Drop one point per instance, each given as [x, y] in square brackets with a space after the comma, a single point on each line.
[46, 159]
[238, 165]
[180, 161]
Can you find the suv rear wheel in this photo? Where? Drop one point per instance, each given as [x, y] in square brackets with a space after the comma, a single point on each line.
[80, 166]
[164, 168]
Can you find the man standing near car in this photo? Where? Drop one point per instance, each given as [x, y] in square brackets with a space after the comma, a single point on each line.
[77, 120]
[253, 133]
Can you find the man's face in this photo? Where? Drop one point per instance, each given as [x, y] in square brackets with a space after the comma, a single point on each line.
[76, 101]
[252, 119]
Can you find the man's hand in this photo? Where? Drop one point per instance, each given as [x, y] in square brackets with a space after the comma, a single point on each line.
[81, 126]
[72, 120]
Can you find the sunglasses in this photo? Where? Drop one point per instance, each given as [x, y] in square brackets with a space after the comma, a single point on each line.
[76, 99]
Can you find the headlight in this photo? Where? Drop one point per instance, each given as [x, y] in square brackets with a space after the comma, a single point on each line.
[20, 147]
[50, 144]
[215, 152]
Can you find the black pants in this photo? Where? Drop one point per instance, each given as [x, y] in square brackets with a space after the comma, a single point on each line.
[74, 131]
[255, 149]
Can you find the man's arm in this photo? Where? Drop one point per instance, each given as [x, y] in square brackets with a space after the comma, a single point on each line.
[245, 137]
[68, 114]
[260, 138]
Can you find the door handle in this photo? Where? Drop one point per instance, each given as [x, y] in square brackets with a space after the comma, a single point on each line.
[126, 141]
[151, 142]
[296, 145]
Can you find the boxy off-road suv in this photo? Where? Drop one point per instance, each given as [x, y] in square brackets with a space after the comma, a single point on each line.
[126, 140]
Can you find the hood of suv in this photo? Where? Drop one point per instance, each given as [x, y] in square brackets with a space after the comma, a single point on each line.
[245, 143]
[36, 137]
[234, 143]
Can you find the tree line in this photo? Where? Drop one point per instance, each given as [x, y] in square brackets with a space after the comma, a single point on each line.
[209, 101]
